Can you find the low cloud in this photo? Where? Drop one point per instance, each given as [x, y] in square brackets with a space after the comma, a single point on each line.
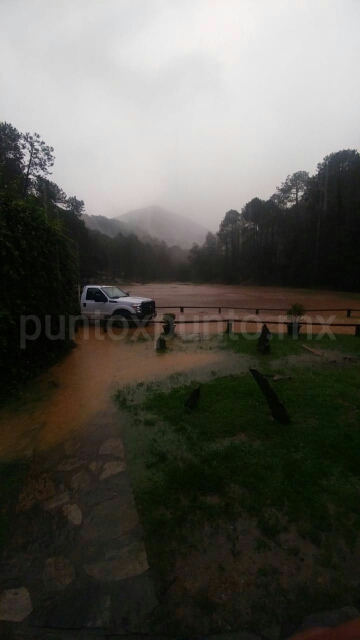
[197, 107]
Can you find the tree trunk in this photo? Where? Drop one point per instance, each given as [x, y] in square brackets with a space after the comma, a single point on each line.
[28, 171]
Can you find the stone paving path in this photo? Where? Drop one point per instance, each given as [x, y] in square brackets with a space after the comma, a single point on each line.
[76, 566]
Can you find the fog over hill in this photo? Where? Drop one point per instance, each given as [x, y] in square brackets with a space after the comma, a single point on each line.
[153, 224]
[166, 225]
[109, 226]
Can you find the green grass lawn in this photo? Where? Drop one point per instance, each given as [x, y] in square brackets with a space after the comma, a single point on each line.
[282, 345]
[308, 471]
[228, 460]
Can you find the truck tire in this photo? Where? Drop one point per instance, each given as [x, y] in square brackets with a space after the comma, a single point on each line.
[121, 318]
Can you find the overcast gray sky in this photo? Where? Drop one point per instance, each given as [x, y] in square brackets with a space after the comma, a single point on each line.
[195, 105]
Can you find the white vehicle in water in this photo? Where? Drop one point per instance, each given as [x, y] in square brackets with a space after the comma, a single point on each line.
[99, 302]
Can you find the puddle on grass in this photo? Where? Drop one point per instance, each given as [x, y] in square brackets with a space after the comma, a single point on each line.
[61, 401]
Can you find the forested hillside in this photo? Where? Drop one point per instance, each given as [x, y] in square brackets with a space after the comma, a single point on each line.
[306, 235]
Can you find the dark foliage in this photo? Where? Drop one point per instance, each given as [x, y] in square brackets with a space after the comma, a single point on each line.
[306, 235]
[38, 263]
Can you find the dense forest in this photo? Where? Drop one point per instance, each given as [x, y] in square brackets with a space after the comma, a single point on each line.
[306, 235]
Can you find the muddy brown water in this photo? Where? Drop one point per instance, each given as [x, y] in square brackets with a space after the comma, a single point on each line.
[241, 302]
[61, 401]
[173, 295]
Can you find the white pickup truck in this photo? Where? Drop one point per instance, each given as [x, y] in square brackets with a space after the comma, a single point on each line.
[103, 302]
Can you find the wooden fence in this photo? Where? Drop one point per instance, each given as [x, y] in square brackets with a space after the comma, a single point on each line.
[232, 321]
[181, 308]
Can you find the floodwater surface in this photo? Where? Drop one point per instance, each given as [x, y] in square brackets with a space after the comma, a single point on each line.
[61, 401]
[172, 295]
[254, 304]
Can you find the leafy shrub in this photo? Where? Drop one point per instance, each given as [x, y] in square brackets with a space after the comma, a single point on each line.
[296, 312]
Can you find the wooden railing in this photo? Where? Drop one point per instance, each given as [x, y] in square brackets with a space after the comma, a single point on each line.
[256, 310]
[232, 321]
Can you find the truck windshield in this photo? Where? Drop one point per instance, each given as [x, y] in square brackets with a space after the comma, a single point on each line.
[114, 292]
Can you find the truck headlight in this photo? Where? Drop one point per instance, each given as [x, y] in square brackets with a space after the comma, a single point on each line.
[136, 307]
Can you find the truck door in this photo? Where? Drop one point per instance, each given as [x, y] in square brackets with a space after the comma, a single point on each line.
[95, 304]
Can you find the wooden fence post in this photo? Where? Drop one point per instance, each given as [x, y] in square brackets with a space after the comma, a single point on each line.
[348, 314]
[229, 327]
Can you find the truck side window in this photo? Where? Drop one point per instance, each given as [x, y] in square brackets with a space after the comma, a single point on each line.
[95, 294]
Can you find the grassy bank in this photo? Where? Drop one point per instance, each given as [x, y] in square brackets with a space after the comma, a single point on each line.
[253, 523]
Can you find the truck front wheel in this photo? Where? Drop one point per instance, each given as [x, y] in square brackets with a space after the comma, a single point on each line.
[121, 319]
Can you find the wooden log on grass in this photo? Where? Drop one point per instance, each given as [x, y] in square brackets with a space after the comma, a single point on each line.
[314, 351]
[278, 411]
